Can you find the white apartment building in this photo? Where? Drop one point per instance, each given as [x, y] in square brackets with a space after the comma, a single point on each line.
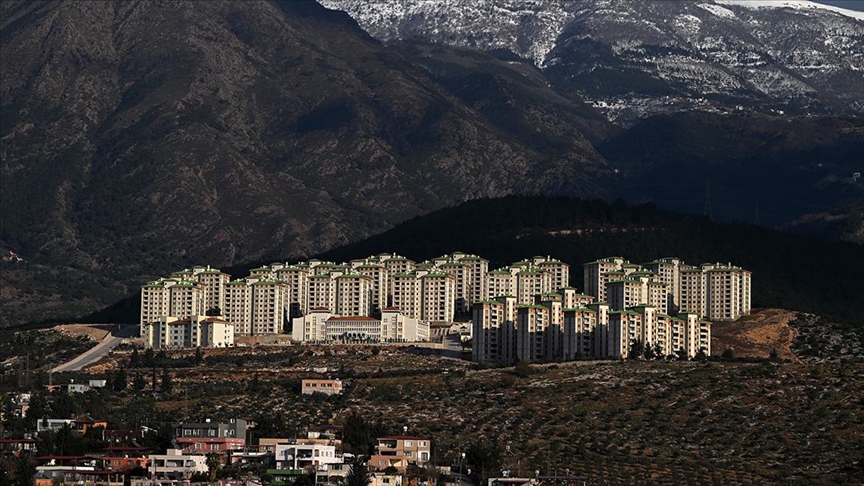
[580, 325]
[380, 284]
[692, 287]
[532, 323]
[322, 292]
[572, 299]
[499, 283]
[186, 299]
[437, 297]
[494, 327]
[405, 293]
[478, 268]
[193, 332]
[297, 279]
[268, 307]
[594, 280]
[668, 271]
[353, 295]
[462, 277]
[238, 306]
[715, 291]
[530, 282]
[727, 291]
[214, 282]
[558, 271]
[155, 302]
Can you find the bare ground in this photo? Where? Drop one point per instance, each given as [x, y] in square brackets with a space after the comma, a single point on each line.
[754, 336]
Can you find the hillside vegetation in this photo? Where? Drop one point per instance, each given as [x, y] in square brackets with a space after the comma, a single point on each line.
[789, 271]
[630, 422]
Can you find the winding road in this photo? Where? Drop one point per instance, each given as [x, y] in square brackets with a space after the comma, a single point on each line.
[118, 333]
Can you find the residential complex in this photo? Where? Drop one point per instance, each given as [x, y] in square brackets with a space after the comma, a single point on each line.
[664, 305]
[524, 308]
[714, 291]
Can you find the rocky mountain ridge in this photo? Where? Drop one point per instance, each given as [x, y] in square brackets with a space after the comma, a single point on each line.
[634, 59]
[142, 136]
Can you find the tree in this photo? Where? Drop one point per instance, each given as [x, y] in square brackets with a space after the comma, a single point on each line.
[701, 355]
[149, 358]
[213, 462]
[119, 381]
[139, 383]
[166, 382]
[484, 459]
[649, 352]
[773, 356]
[359, 474]
[728, 354]
[134, 359]
[636, 350]
[198, 357]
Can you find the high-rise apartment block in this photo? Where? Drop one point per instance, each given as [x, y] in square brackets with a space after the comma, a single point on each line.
[714, 291]
[525, 310]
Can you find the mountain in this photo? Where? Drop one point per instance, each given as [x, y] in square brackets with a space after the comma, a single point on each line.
[138, 137]
[779, 171]
[635, 59]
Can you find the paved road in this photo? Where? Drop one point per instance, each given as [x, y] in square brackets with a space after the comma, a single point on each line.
[115, 337]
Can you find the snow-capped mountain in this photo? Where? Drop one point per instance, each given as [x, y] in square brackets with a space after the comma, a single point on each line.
[632, 59]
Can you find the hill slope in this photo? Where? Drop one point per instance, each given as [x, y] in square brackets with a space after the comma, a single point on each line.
[789, 271]
[142, 136]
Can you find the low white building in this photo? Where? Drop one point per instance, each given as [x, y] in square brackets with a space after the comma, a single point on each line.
[305, 456]
[175, 463]
[198, 331]
[393, 326]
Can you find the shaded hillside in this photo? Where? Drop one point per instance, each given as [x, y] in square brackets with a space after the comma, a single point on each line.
[748, 166]
[141, 136]
[789, 271]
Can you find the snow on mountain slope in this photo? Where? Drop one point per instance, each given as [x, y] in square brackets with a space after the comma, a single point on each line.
[797, 4]
[633, 59]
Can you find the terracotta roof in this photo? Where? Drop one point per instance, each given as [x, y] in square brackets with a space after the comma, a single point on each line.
[353, 318]
[390, 309]
[320, 309]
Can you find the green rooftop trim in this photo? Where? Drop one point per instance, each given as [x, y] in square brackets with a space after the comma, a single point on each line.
[579, 309]
[628, 311]
[531, 306]
[436, 274]
[352, 275]
[405, 274]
